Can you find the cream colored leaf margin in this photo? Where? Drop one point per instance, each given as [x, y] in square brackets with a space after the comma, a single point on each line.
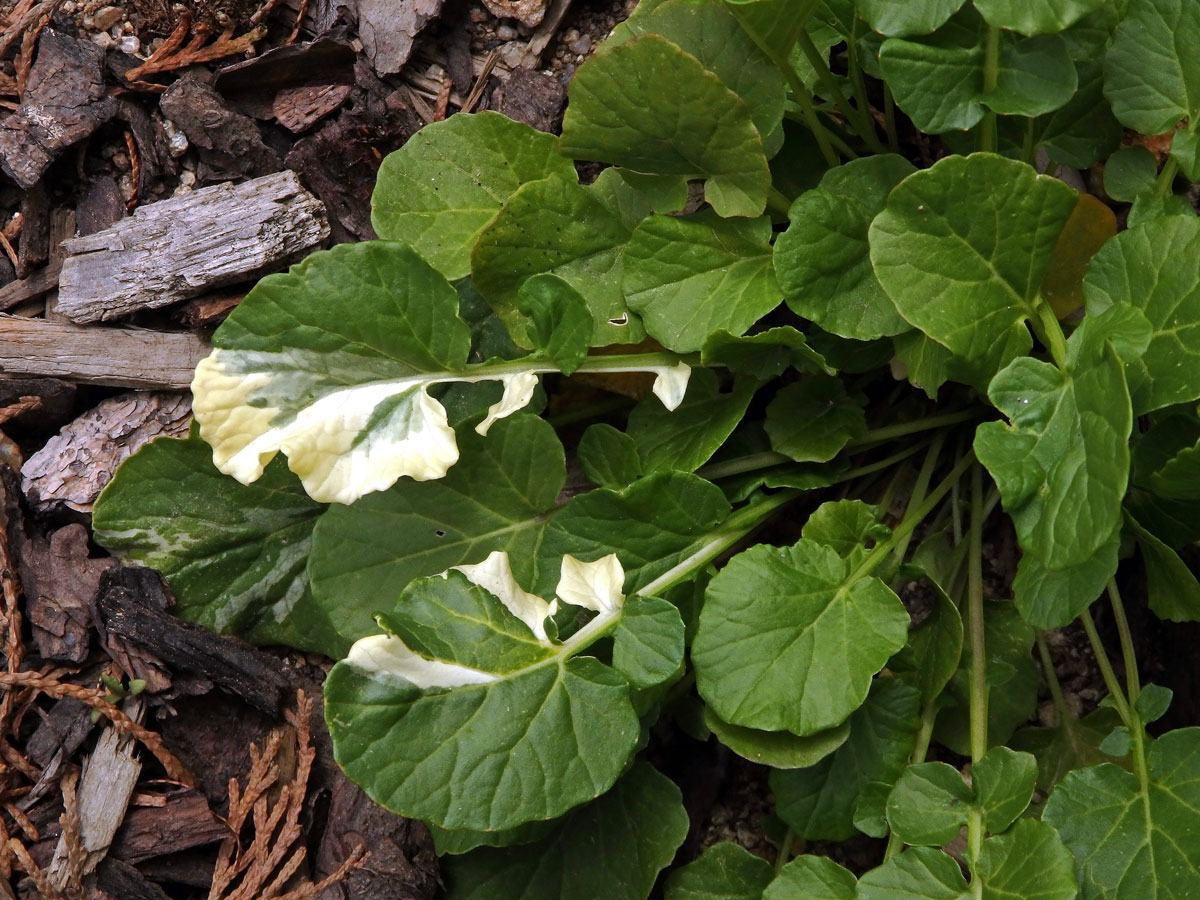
[595, 585]
[338, 444]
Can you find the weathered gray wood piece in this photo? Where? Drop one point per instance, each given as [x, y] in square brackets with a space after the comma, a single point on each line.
[74, 465]
[109, 776]
[184, 246]
[122, 357]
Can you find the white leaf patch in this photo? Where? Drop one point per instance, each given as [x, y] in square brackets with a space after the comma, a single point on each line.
[595, 585]
[495, 576]
[386, 654]
[348, 442]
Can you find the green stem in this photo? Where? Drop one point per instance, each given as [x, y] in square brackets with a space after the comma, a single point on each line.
[1050, 332]
[1056, 691]
[1129, 715]
[913, 517]
[785, 850]
[861, 123]
[979, 695]
[889, 119]
[1133, 686]
[903, 429]
[1120, 701]
[921, 487]
[860, 93]
[825, 140]
[991, 74]
[1028, 146]
[735, 528]
[1166, 178]
[778, 204]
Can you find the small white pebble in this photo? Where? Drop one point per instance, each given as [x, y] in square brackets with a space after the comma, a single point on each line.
[506, 33]
[582, 46]
[130, 44]
[103, 40]
[187, 178]
[177, 142]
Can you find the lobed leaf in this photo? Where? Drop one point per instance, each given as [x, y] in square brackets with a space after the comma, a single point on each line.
[961, 249]
[724, 871]
[1155, 268]
[1153, 98]
[1130, 837]
[789, 638]
[233, 554]
[689, 277]
[1062, 467]
[611, 849]
[701, 129]
[437, 192]
[822, 259]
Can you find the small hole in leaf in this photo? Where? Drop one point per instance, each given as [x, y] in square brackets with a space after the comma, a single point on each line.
[622, 319]
[440, 533]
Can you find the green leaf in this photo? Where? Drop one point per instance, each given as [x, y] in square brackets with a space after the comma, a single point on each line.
[1185, 150]
[822, 259]
[907, 19]
[1155, 268]
[1035, 16]
[1083, 130]
[1004, 781]
[763, 355]
[818, 803]
[1035, 76]
[789, 638]
[1171, 589]
[558, 227]
[937, 80]
[652, 525]
[812, 878]
[1152, 702]
[467, 714]
[847, 526]
[560, 324]
[1029, 862]
[1152, 99]
[691, 276]
[1129, 172]
[813, 419]
[921, 872]
[612, 849]
[774, 24]
[609, 457]
[962, 248]
[619, 113]
[934, 647]
[1117, 743]
[437, 192]
[1071, 744]
[724, 871]
[929, 804]
[685, 438]
[648, 642]
[709, 31]
[233, 554]
[1128, 837]
[495, 500]
[456, 843]
[1012, 681]
[665, 193]
[1091, 225]
[1062, 467]
[777, 749]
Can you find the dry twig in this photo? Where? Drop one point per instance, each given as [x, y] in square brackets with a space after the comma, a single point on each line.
[95, 699]
[271, 803]
[175, 53]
